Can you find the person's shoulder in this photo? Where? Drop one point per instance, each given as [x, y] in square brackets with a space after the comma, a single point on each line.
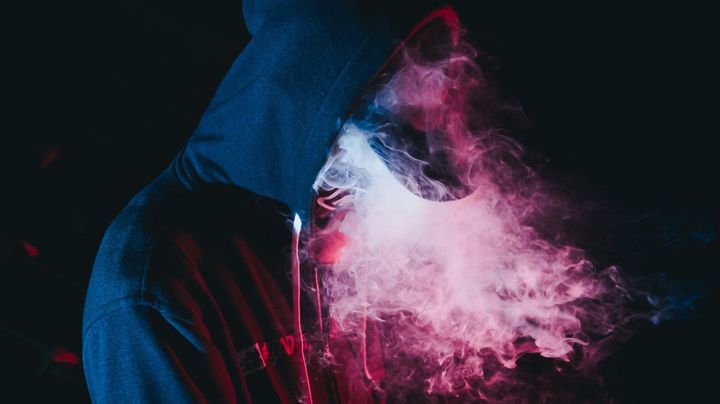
[153, 251]
[119, 267]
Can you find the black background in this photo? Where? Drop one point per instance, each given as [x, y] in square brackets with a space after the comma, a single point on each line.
[622, 98]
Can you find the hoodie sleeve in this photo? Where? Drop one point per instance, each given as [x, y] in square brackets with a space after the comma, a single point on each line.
[133, 349]
[173, 301]
[130, 346]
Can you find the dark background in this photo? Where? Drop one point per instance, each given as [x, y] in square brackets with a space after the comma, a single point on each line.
[99, 96]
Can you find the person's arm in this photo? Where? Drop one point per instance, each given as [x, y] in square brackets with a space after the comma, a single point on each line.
[137, 348]
[132, 354]
[135, 354]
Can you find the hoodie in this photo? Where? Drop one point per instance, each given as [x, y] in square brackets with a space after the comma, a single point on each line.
[191, 297]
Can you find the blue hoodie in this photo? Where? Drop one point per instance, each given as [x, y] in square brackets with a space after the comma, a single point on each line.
[189, 296]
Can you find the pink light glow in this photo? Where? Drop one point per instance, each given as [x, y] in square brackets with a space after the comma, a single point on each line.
[464, 287]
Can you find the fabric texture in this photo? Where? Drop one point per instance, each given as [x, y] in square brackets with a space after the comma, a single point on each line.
[189, 298]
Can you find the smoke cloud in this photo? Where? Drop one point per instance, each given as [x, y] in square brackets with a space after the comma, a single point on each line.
[431, 227]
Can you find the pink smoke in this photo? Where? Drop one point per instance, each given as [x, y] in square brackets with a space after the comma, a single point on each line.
[431, 230]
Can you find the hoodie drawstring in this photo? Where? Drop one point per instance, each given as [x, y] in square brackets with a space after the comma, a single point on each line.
[297, 226]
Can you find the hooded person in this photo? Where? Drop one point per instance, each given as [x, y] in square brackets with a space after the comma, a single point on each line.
[191, 297]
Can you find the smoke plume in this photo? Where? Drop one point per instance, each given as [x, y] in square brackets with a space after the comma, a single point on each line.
[434, 228]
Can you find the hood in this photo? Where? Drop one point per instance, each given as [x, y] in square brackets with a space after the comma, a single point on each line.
[275, 115]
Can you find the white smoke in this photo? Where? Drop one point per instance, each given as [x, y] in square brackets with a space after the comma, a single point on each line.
[461, 285]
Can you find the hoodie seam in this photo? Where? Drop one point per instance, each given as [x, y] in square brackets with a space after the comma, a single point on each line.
[127, 302]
